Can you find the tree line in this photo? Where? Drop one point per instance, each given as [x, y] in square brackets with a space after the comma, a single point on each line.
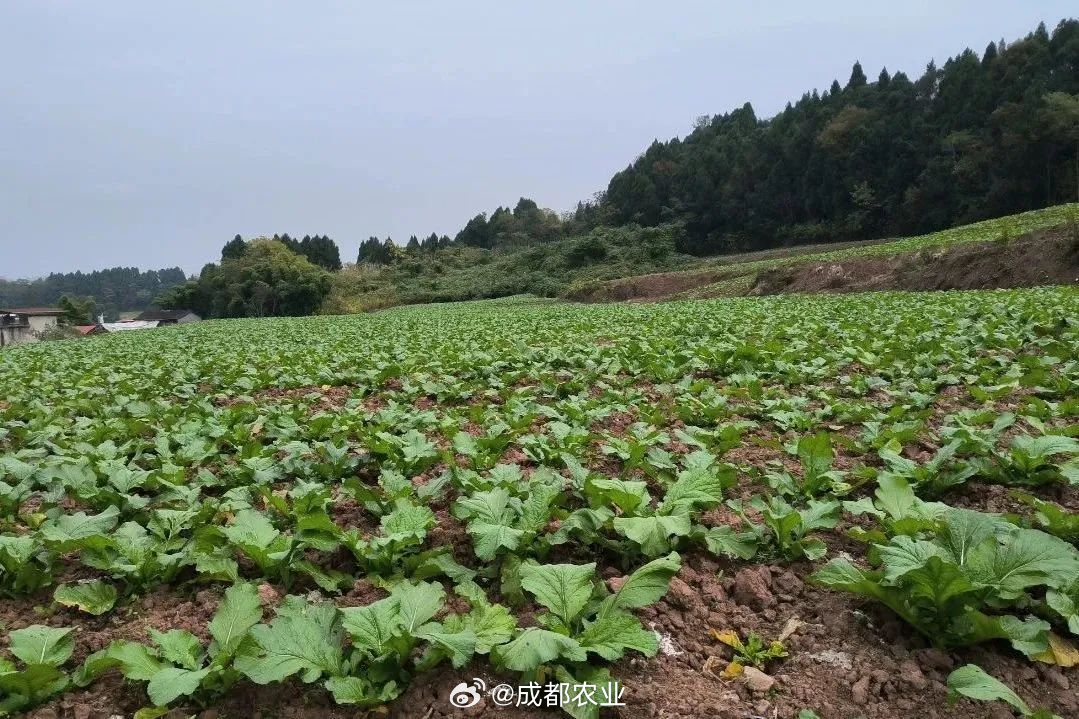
[106, 292]
[262, 277]
[318, 249]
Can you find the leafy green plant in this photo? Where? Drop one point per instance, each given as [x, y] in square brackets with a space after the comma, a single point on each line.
[751, 652]
[930, 479]
[582, 619]
[656, 531]
[25, 566]
[178, 665]
[1052, 518]
[42, 651]
[896, 509]
[950, 588]
[972, 682]
[1031, 461]
[786, 531]
[818, 478]
[500, 523]
[93, 597]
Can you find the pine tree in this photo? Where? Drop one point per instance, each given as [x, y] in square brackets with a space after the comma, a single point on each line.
[857, 77]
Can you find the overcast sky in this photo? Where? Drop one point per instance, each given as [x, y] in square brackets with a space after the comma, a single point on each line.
[149, 133]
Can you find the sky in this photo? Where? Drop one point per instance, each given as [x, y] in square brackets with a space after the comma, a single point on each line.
[148, 134]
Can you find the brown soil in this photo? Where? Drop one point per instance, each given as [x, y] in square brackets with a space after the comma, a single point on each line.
[645, 287]
[1041, 258]
[1044, 257]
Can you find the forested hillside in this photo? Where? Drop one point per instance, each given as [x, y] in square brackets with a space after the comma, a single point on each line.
[981, 136]
[975, 138]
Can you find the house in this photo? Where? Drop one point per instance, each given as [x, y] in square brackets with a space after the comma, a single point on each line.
[19, 325]
[168, 317]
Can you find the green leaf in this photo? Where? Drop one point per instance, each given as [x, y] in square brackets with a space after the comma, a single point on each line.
[815, 453]
[95, 597]
[459, 645]
[840, 574]
[408, 520]
[904, 555]
[653, 534]
[38, 644]
[971, 681]
[373, 626]
[724, 540]
[417, 603]
[696, 488]
[615, 632]
[178, 646]
[562, 588]
[536, 509]
[489, 538]
[965, 529]
[624, 494]
[239, 611]
[135, 660]
[1022, 559]
[251, 529]
[297, 641]
[357, 691]
[71, 529]
[534, 647]
[647, 584]
[1065, 602]
[33, 684]
[172, 682]
[492, 624]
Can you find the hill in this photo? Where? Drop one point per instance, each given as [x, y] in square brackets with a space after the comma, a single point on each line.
[644, 263]
[980, 137]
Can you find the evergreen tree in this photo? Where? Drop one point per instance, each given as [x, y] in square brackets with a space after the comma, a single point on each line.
[857, 77]
[233, 248]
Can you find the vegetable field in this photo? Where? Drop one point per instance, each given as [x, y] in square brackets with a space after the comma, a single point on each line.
[795, 506]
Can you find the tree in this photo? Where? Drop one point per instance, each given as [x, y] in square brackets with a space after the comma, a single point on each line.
[233, 248]
[857, 76]
[1061, 118]
[269, 279]
[322, 251]
[77, 311]
[376, 252]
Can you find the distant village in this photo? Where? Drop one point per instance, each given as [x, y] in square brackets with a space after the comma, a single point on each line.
[22, 325]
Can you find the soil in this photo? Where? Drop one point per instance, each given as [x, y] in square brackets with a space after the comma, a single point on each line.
[1047, 257]
[645, 287]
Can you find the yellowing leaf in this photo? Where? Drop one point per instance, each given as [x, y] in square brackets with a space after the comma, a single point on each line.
[734, 669]
[1061, 652]
[728, 637]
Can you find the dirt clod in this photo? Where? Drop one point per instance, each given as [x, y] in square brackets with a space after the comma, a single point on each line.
[751, 588]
